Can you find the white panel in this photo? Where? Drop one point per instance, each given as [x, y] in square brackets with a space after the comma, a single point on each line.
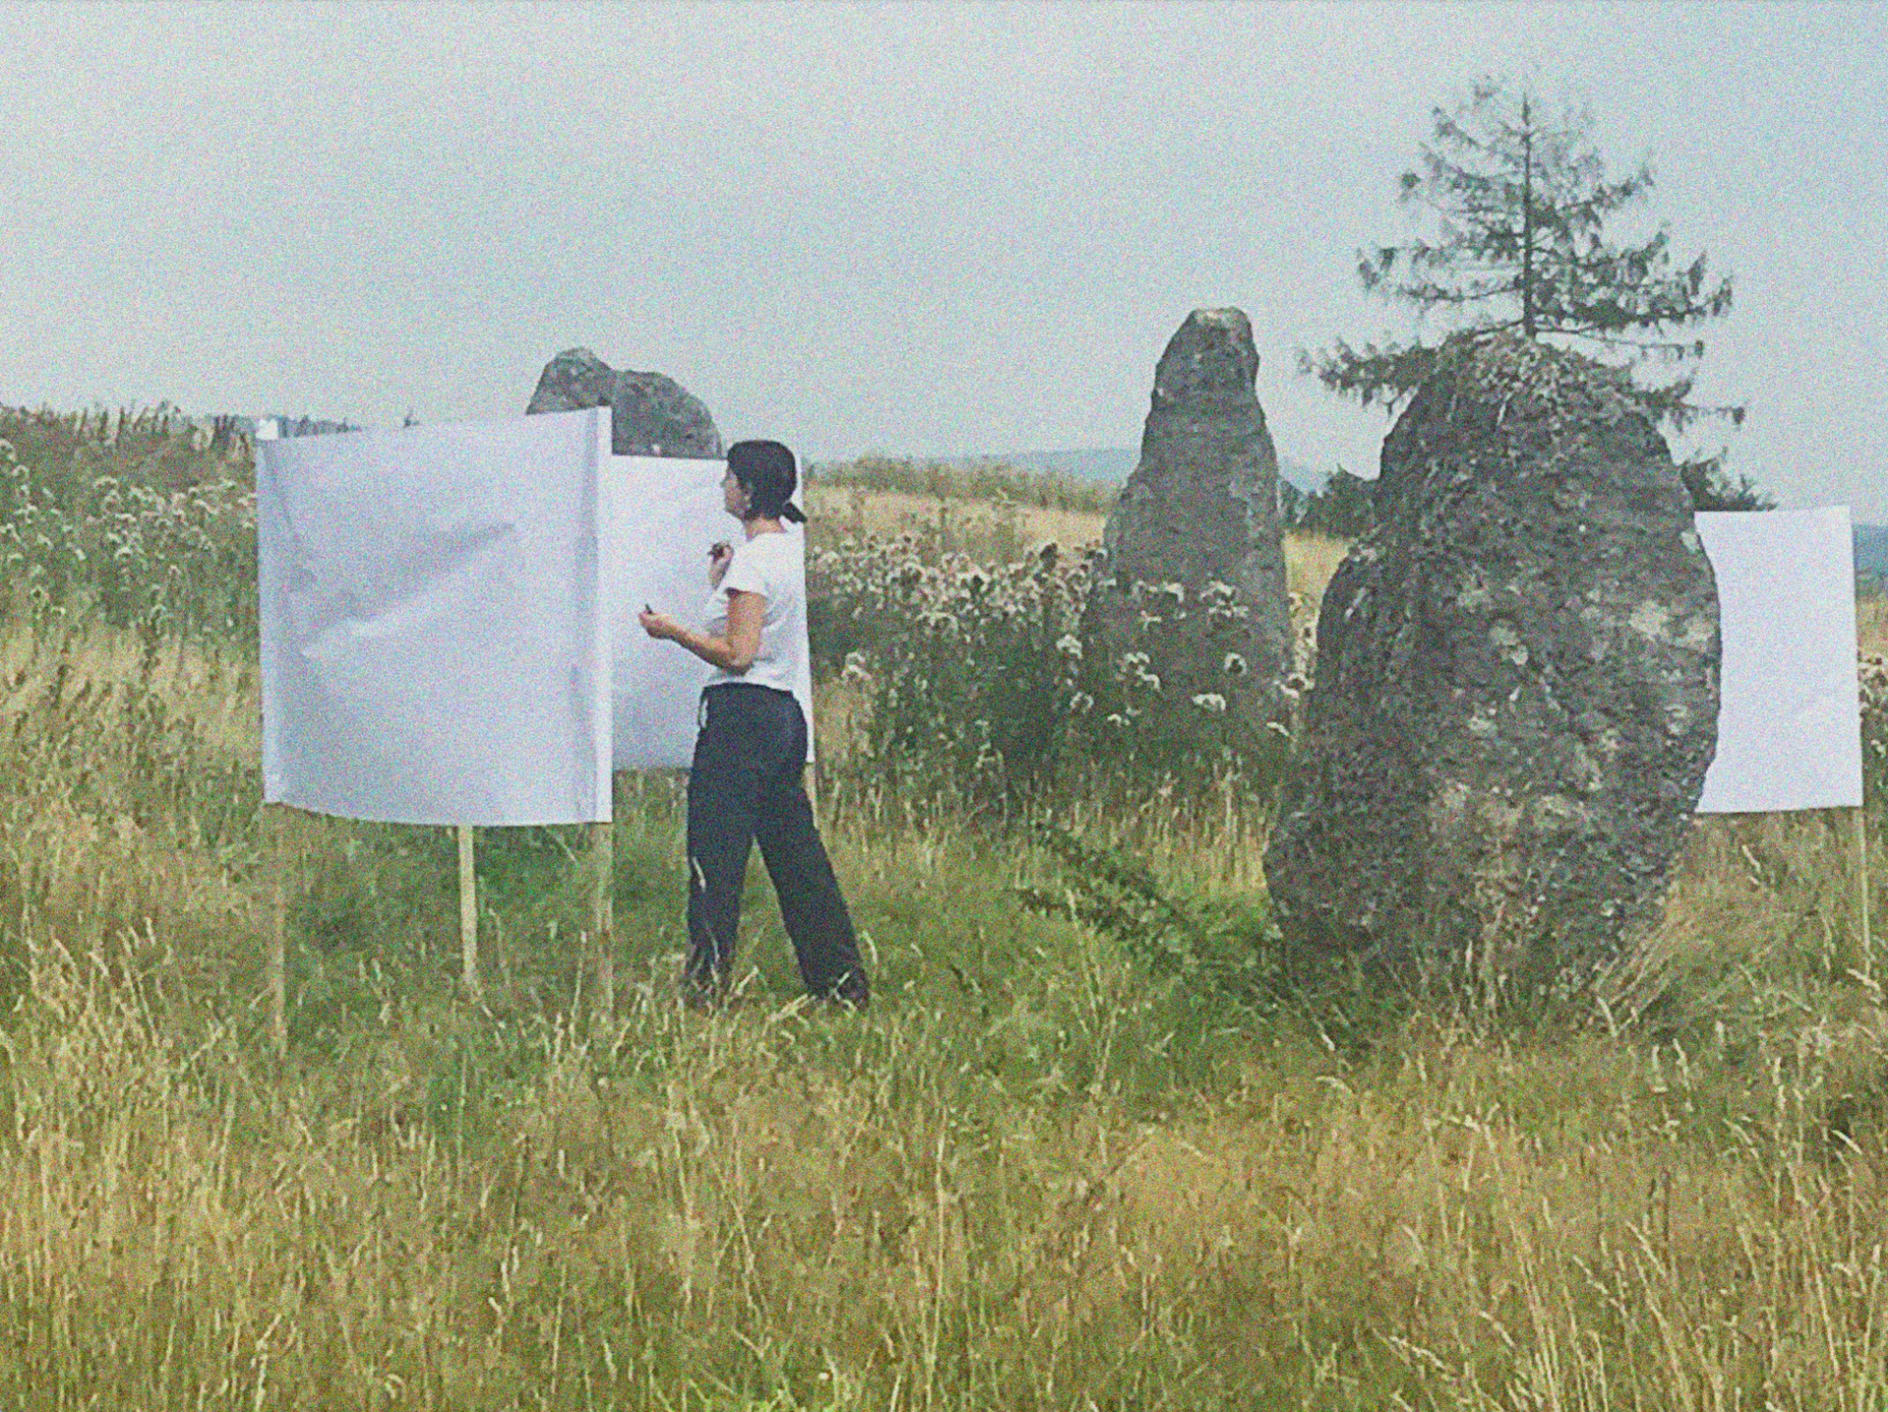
[663, 514]
[1789, 727]
[433, 642]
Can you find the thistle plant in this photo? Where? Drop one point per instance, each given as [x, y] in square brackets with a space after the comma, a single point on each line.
[977, 688]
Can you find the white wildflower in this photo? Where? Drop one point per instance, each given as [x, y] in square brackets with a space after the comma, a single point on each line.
[1210, 702]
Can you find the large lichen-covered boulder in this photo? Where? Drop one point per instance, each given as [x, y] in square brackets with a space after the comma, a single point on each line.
[1517, 684]
[1190, 611]
[650, 414]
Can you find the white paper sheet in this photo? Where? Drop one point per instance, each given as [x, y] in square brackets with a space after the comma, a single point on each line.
[661, 516]
[434, 648]
[1789, 726]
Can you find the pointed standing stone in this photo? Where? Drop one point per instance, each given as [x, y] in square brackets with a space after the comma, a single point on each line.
[1194, 578]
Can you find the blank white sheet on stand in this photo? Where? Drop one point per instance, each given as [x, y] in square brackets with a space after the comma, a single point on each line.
[434, 649]
[1789, 722]
[449, 630]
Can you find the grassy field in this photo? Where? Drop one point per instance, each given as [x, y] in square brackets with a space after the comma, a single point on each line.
[986, 528]
[1033, 1176]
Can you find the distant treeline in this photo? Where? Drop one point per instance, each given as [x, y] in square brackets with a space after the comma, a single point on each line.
[1345, 505]
[986, 478]
[1341, 507]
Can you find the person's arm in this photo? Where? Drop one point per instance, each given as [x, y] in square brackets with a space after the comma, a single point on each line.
[735, 652]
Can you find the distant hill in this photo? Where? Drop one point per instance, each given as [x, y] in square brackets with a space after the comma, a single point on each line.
[1109, 464]
[1113, 464]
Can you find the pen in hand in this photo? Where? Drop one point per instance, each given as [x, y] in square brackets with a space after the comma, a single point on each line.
[657, 625]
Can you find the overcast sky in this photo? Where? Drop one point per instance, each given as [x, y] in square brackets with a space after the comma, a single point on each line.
[922, 229]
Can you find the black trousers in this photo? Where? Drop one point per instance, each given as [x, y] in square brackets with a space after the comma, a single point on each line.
[745, 787]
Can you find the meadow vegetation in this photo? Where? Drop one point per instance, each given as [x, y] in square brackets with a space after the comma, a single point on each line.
[1097, 1145]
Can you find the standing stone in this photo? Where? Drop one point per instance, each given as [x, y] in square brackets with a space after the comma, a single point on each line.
[1190, 604]
[650, 415]
[1517, 683]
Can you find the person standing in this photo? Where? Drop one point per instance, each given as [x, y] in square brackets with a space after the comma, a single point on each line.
[746, 784]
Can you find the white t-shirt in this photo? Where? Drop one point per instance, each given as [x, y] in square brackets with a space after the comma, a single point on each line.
[773, 566]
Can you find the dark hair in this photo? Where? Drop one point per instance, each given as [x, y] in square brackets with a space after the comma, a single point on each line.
[766, 472]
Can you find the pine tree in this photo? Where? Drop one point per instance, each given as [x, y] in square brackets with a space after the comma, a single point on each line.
[1520, 206]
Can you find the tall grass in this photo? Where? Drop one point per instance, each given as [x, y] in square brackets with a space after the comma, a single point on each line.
[1044, 1172]
[1036, 1176]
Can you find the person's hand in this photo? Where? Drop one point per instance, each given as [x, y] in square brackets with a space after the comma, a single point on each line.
[719, 557]
[659, 625]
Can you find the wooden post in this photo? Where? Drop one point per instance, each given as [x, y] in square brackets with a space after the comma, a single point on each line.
[468, 914]
[603, 914]
[1861, 862]
[285, 843]
[278, 938]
